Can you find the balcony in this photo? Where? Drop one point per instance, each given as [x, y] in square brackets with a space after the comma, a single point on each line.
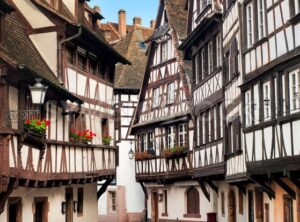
[56, 162]
[164, 169]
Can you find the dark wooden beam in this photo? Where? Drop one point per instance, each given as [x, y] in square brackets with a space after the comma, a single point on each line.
[104, 187]
[204, 190]
[5, 194]
[296, 182]
[241, 188]
[268, 190]
[213, 186]
[144, 190]
[286, 187]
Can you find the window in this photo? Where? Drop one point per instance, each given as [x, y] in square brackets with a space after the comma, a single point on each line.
[171, 136]
[80, 201]
[287, 208]
[203, 63]
[104, 128]
[267, 212]
[267, 101]
[145, 142]
[112, 201]
[284, 100]
[261, 19]
[233, 65]
[249, 17]
[156, 98]
[182, 134]
[223, 203]
[210, 57]
[294, 91]
[199, 125]
[164, 51]
[171, 93]
[14, 208]
[82, 62]
[193, 203]
[219, 50]
[203, 129]
[196, 68]
[259, 203]
[41, 206]
[71, 55]
[151, 141]
[248, 105]
[93, 66]
[241, 200]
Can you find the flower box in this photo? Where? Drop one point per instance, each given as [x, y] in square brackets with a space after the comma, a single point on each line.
[175, 152]
[106, 140]
[144, 155]
[83, 137]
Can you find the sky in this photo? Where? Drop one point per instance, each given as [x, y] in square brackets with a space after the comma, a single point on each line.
[146, 9]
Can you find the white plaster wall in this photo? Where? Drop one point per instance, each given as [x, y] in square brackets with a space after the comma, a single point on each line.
[55, 197]
[46, 44]
[70, 5]
[34, 16]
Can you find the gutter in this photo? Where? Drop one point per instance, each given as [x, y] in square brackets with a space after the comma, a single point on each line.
[59, 52]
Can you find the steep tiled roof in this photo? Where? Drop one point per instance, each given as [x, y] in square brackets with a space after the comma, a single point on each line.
[131, 47]
[20, 49]
[177, 16]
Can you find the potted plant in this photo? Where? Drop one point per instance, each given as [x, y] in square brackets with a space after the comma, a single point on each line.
[36, 127]
[174, 152]
[143, 155]
[81, 136]
[106, 140]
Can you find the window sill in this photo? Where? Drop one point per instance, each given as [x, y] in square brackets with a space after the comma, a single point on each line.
[192, 215]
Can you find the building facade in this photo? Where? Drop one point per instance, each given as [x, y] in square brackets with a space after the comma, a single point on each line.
[53, 154]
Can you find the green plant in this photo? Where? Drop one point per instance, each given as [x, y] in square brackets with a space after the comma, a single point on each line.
[36, 125]
[173, 152]
[106, 140]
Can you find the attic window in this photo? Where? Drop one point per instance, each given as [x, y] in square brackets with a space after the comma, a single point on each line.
[142, 45]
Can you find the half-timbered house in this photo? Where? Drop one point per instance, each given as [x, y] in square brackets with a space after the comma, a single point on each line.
[162, 124]
[52, 174]
[270, 94]
[127, 86]
[203, 46]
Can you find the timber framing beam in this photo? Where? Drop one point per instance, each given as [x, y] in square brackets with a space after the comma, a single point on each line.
[204, 190]
[264, 187]
[285, 187]
[104, 187]
[296, 182]
[144, 190]
[213, 186]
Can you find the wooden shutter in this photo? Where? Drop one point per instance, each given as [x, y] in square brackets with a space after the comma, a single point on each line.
[259, 202]
[193, 204]
[241, 202]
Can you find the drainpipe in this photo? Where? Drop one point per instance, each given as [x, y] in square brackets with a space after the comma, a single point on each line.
[59, 53]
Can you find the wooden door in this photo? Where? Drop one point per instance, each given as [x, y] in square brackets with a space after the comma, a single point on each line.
[14, 209]
[69, 204]
[41, 209]
[231, 207]
[154, 207]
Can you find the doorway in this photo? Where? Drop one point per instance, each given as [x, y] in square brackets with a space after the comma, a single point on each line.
[251, 206]
[154, 206]
[231, 207]
[41, 209]
[69, 204]
[14, 209]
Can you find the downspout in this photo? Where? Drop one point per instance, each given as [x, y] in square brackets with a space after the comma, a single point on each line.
[59, 53]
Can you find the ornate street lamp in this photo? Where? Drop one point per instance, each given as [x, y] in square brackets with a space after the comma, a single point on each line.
[131, 152]
[38, 92]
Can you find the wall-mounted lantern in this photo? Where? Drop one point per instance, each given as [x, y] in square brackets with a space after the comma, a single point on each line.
[38, 92]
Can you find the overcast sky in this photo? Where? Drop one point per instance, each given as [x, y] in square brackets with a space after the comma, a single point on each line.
[146, 9]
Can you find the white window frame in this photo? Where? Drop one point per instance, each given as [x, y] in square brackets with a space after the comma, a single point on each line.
[156, 97]
[171, 93]
[248, 105]
[294, 91]
[210, 58]
[182, 135]
[267, 101]
[203, 129]
[219, 50]
[171, 136]
[261, 19]
[202, 62]
[250, 24]
[145, 141]
[164, 51]
[196, 61]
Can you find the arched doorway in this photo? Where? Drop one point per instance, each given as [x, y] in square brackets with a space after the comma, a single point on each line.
[231, 207]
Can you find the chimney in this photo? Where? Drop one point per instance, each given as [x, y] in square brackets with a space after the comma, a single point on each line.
[152, 24]
[137, 21]
[122, 22]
